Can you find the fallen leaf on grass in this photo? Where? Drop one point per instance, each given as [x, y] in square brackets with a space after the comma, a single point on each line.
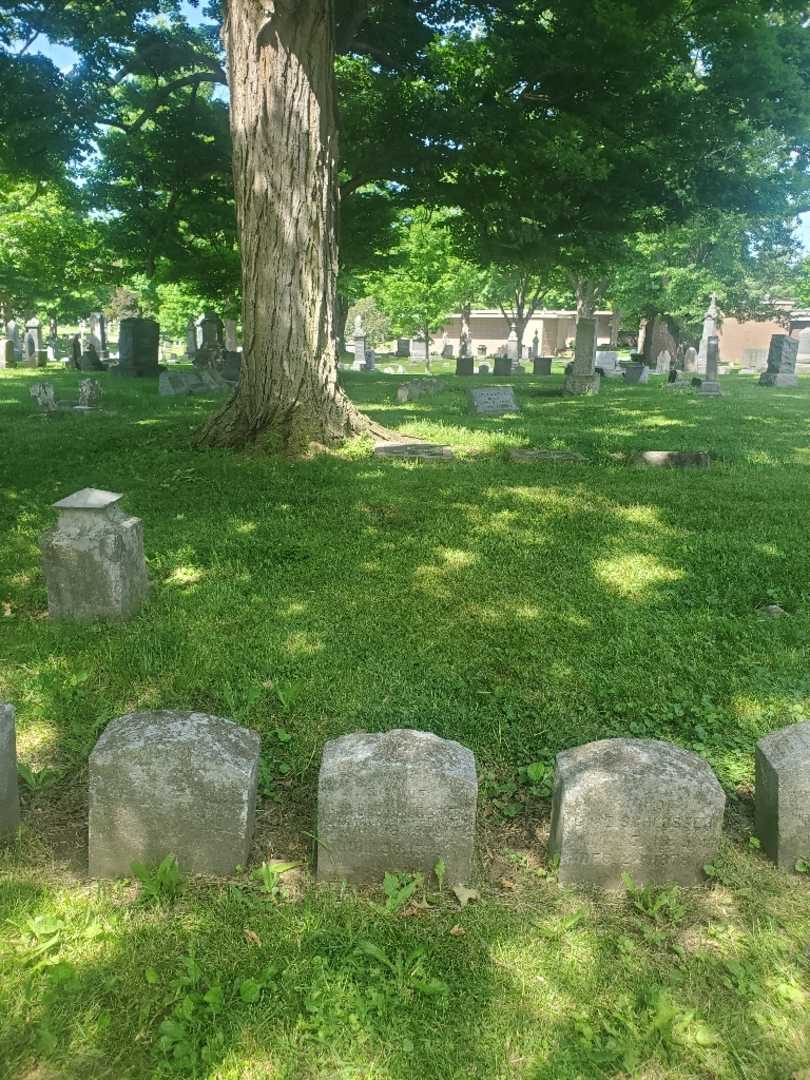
[252, 938]
[465, 895]
[458, 931]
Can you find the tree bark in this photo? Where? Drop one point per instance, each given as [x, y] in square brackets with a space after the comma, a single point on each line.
[284, 133]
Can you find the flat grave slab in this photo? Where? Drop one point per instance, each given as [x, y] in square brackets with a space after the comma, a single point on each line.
[413, 450]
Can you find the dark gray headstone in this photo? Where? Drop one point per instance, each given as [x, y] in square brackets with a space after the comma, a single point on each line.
[172, 783]
[397, 801]
[781, 362]
[9, 794]
[672, 459]
[782, 794]
[138, 348]
[541, 365]
[634, 806]
[636, 373]
[493, 400]
[503, 365]
[465, 365]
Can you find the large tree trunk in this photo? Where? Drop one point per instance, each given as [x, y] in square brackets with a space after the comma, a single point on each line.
[284, 133]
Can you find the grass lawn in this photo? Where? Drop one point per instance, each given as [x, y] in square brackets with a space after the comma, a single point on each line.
[519, 609]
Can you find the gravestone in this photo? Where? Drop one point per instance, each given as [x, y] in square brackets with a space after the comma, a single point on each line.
[465, 365]
[803, 354]
[447, 348]
[418, 388]
[503, 365]
[418, 350]
[231, 368]
[512, 347]
[138, 346]
[9, 793]
[690, 359]
[781, 362]
[672, 459]
[90, 393]
[90, 360]
[32, 345]
[710, 321]
[172, 783]
[412, 450]
[634, 806]
[8, 357]
[541, 365]
[13, 333]
[93, 559]
[180, 383]
[553, 457]
[403, 347]
[493, 400]
[231, 344]
[359, 339]
[45, 397]
[213, 380]
[191, 340]
[663, 362]
[607, 360]
[76, 352]
[395, 801]
[756, 360]
[210, 340]
[483, 369]
[535, 348]
[710, 386]
[582, 379]
[782, 794]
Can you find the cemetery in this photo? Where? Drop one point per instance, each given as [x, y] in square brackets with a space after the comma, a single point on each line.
[404, 605]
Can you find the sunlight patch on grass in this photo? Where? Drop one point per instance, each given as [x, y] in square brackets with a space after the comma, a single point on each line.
[659, 421]
[302, 644]
[455, 558]
[645, 515]
[186, 575]
[633, 576]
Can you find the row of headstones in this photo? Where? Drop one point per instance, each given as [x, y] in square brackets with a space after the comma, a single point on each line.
[184, 784]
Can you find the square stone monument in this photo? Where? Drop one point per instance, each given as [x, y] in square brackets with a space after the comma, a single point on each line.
[93, 560]
[782, 794]
[138, 348]
[493, 400]
[172, 783]
[781, 362]
[395, 801]
[583, 378]
[541, 365]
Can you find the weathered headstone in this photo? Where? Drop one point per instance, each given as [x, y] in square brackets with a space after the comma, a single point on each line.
[138, 346]
[359, 340]
[90, 359]
[493, 400]
[172, 783]
[608, 361]
[690, 358]
[710, 386]
[90, 393]
[9, 793]
[32, 343]
[803, 355]
[76, 352]
[399, 800]
[191, 340]
[663, 362]
[93, 560]
[483, 369]
[44, 395]
[781, 362]
[672, 459]
[541, 365]
[180, 383]
[755, 361]
[403, 347]
[710, 321]
[418, 350]
[210, 340]
[582, 378]
[418, 388]
[535, 347]
[13, 334]
[512, 347]
[8, 357]
[231, 343]
[465, 365]
[634, 806]
[503, 365]
[782, 794]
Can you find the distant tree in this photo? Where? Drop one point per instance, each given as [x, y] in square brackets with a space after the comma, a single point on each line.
[427, 282]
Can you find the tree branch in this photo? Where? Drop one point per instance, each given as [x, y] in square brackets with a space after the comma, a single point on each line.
[347, 32]
[165, 92]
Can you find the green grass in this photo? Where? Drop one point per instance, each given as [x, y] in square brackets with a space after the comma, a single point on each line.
[520, 609]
